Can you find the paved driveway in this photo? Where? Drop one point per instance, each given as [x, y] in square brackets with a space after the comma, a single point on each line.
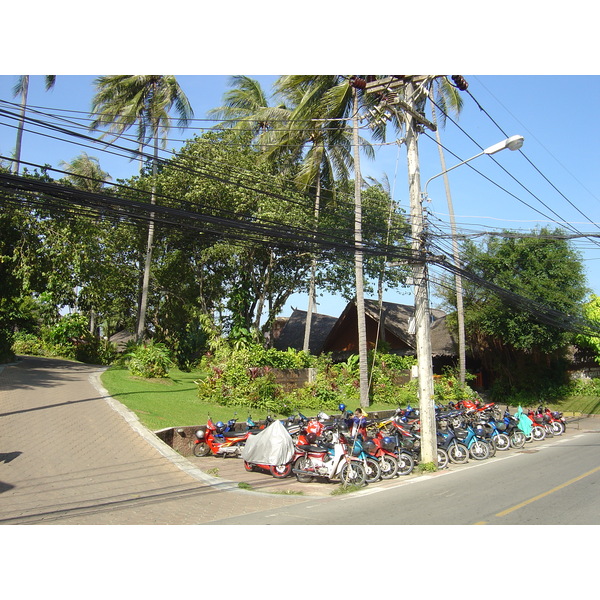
[69, 454]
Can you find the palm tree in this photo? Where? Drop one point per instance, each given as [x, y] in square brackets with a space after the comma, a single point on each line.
[324, 105]
[21, 89]
[328, 151]
[146, 100]
[84, 172]
[448, 99]
[246, 108]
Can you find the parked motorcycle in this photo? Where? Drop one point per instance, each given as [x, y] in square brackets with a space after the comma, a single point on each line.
[539, 430]
[271, 450]
[333, 462]
[457, 451]
[391, 460]
[220, 439]
[552, 418]
[478, 449]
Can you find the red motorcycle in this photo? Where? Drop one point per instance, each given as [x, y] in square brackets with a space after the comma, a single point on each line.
[554, 419]
[220, 439]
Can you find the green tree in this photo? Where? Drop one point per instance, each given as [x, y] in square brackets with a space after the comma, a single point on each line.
[244, 278]
[514, 335]
[591, 311]
[146, 100]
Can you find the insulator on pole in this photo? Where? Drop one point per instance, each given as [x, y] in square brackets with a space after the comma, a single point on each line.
[460, 82]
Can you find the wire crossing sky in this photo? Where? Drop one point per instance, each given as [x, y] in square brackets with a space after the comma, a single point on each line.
[550, 182]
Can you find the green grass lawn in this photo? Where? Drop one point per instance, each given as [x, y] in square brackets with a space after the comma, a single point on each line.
[160, 403]
[174, 402]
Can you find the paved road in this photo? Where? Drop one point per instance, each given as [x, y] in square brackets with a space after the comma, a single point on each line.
[69, 454]
[552, 482]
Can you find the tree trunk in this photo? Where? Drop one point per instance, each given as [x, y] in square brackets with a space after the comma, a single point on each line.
[24, 91]
[460, 313]
[141, 325]
[313, 269]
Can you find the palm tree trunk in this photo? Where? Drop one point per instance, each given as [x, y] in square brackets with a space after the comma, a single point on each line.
[313, 269]
[460, 313]
[358, 260]
[24, 90]
[150, 243]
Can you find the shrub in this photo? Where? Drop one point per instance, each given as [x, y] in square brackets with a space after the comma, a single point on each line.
[149, 361]
[28, 343]
[448, 388]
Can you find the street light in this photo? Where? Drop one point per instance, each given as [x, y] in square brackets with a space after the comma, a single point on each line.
[512, 143]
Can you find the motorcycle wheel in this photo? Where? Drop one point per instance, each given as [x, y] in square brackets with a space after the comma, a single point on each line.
[502, 442]
[479, 450]
[538, 433]
[517, 439]
[201, 449]
[372, 470]
[303, 463]
[389, 466]
[442, 458]
[248, 466]
[458, 454]
[353, 473]
[557, 428]
[406, 463]
[281, 471]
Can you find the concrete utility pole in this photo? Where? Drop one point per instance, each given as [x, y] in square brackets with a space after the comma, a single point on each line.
[358, 259]
[412, 95]
[419, 268]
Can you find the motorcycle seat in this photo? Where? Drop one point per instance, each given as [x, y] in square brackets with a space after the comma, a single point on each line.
[309, 448]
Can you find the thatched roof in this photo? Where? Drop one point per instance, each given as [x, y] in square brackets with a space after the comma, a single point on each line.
[331, 333]
[121, 338]
[397, 328]
[292, 334]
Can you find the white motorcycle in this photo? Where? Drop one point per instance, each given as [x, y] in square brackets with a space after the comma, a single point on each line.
[332, 462]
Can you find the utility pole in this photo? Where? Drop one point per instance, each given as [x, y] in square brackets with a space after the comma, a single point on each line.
[419, 268]
[412, 94]
[358, 255]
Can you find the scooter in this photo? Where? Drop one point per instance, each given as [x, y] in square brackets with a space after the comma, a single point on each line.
[478, 449]
[391, 460]
[554, 419]
[333, 462]
[220, 439]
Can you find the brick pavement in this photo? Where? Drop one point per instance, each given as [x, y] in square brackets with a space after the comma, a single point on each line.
[70, 454]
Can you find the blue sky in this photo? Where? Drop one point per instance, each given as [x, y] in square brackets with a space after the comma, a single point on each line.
[552, 181]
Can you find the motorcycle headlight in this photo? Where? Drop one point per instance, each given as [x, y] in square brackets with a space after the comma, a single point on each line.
[200, 434]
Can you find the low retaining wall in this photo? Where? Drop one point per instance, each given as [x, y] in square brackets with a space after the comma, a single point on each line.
[183, 439]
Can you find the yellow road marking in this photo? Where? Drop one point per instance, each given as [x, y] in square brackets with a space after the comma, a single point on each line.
[535, 498]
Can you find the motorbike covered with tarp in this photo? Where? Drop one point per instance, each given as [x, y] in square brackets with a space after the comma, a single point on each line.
[273, 446]
[524, 422]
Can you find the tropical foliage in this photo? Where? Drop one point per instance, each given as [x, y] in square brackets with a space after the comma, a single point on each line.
[246, 202]
[513, 334]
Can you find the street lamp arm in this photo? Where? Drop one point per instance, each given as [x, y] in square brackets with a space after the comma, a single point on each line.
[512, 143]
[450, 169]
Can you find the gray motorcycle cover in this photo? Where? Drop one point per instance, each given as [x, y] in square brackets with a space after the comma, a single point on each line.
[272, 446]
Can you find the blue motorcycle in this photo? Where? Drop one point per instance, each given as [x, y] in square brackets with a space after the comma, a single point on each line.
[474, 440]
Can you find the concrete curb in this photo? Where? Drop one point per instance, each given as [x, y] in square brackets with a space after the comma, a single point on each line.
[133, 421]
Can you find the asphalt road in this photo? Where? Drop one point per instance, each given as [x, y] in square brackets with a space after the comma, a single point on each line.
[554, 482]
